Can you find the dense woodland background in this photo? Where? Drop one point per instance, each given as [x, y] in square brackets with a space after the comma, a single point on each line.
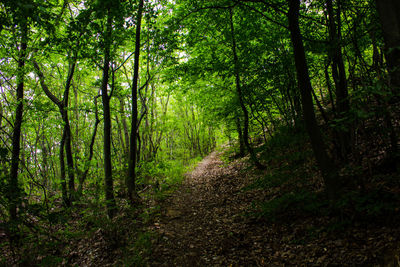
[105, 104]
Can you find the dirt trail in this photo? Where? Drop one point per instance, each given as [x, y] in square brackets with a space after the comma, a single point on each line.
[203, 223]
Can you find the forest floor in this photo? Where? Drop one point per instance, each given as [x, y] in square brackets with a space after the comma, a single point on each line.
[207, 223]
[217, 217]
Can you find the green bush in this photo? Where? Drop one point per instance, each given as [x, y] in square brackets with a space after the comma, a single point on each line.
[374, 204]
[302, 202]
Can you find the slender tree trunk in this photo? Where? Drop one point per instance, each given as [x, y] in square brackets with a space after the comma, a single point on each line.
[121, 147]
[68, 137]
[131, 179]
[321, 109]
[14, 196]
[338, 69]
[1, 115]
[145, 102]
[70, 159]
[125, 127]
[63, 107]
[329, 86]
[253, 155]
[240, 137]
[324, 162]
[108, 179]
[139, 147]
[76, 146]
[91, 148]
[44, 171]
[64, 190]
[339, 77]
[389, 13]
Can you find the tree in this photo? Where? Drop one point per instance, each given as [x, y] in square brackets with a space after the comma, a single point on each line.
[134, 121]
[389, 13]
[14, 190]
[240, 95]
[328, 169]
[66, 139]
[108, 179]
[339, 76]
[18, 23]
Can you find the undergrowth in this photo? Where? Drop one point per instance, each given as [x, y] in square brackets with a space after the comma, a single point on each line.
[55, 235]
[294, 188]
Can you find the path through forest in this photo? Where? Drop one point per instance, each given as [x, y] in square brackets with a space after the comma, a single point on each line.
[203, 223]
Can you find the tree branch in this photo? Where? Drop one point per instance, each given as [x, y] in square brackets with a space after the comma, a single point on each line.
[46, 90]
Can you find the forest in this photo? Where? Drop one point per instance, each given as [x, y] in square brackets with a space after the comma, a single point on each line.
[199, 132]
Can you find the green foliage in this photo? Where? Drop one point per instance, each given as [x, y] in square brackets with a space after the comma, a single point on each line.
[140, 250]
[286, 136]
[51, 260]
[56, 217]
[164, 176]
[291, 204]
[352, 206]
[3, 182]
[187, 102]
[287, 156]
[376, 204]
[289, 174]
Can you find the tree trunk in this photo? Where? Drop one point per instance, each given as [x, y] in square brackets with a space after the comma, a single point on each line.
[339, 77]
[324, 162]
[389, 13]
[125, 127]
[14, 196]
[329, 86]
[63, 107]
[131, 179]
[108, 179]
[240, 137]
[139, 147]
[70, 159]
[253, 155]
[76, 146]
[338, 69]
[64, 190]
[1, 115]
[91, 148]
